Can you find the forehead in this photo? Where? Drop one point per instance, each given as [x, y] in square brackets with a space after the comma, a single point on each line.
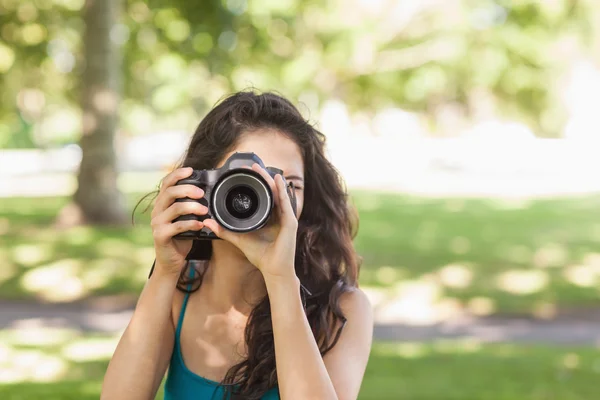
[274, 149]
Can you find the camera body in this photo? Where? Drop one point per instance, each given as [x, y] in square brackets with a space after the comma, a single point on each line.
[237, 197]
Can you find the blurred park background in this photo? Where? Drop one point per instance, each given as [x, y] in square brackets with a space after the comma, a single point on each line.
[467, 131]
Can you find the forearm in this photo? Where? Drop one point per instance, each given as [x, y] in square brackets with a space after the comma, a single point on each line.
[133, 372]
[301, 371]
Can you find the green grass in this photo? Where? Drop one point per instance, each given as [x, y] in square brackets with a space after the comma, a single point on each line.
[518, 256]
[464, 370]
[57, 364]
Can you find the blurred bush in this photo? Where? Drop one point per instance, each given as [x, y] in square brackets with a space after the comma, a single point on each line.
[460, 57]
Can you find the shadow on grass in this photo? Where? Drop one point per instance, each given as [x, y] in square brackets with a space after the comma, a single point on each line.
[520, 256]
[65, 265]
[489, 255]
[465, 370]
[443, 370]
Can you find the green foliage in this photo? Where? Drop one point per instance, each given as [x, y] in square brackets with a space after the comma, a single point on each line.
[181, 56]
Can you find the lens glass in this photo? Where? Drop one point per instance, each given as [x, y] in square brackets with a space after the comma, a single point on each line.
[241, 202]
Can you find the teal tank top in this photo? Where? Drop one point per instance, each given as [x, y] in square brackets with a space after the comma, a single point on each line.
[183, 384]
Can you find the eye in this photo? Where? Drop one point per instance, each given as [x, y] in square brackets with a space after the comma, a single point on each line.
[293, 186]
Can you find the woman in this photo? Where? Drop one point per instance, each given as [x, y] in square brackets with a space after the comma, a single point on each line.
[270, 314]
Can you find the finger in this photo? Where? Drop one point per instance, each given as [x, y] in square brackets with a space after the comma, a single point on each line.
[164, 233]
[178, 209]
[173, 177]
[286, 213]
[170, 194]
[263, 172]
[220, 231]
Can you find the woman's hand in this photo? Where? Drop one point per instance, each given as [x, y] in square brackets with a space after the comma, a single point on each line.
[171, 253]
[272, 248]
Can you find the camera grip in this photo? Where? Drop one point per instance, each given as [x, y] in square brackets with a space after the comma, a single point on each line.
[189, 217]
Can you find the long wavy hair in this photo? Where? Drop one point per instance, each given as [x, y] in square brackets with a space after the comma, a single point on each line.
[325, 262]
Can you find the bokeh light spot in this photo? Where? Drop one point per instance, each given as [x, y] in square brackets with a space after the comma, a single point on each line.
[522, 282]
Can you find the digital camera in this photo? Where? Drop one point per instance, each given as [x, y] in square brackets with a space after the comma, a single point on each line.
[237, 197]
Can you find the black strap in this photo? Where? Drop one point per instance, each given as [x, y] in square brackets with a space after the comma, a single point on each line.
[292, 193]
[152, 269]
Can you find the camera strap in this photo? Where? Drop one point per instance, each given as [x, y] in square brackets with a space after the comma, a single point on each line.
[292, 194]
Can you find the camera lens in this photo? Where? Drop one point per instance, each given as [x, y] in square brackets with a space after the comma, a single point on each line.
[241, 202]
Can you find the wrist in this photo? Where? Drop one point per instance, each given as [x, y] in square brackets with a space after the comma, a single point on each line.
[285, 282]
[165, 273]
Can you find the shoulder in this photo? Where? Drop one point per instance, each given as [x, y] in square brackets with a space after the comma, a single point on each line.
[351, 352]
[357, 308]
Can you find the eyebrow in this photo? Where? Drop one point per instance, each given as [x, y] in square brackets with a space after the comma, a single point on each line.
[294, 177]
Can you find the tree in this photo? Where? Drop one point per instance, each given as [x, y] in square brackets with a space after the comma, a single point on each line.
[97, 195]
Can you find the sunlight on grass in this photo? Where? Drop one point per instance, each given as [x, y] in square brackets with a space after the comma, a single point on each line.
[586, 274]
[375, 295]
[8, 269]
[582, 275]
[447, 308]
[550, 255]
[90, 350]
[466, 247]
[31, 254]
[467, 369]
[458, 346]
[421, 349]
[545, 310]
[481, 306]
[387, 275]
[45, 235]
[144, 256]
[410, 350]
[456, 276]
[512, 204]
[368, 201]
[98, 273]
[113, 247]
[57, 281]
[571, 360]
[30, 352]
[32, 366]
[414, 302]
[32, 332]
[592, 259]
[522, 282]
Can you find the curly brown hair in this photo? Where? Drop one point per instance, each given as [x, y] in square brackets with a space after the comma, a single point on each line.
[325, 262]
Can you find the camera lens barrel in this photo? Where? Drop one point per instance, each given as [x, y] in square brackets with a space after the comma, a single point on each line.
[242, 201]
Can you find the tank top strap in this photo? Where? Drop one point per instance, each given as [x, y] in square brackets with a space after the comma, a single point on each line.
[185, 301]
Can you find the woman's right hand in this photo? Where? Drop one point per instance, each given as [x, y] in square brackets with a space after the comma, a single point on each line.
[171, 253]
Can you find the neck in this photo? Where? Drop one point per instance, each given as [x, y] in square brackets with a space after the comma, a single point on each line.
[231, 281]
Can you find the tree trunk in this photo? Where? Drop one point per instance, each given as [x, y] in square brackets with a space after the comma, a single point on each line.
[97, 196]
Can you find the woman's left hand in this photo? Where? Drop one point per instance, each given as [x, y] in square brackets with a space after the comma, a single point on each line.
[272, 248]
